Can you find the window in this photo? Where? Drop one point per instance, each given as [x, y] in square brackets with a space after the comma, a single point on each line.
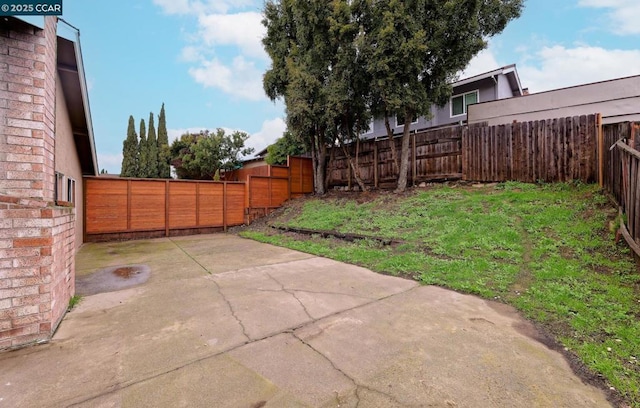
[65, 190]
[370, 131]
[459, 103]
[400, 120]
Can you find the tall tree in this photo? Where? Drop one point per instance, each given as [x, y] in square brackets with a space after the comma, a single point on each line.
[287, 145]
[297, 41]
[201, 156]
[143, 152]
[348, 81]
[152, 150]
[130, 151]
[415, 48]
[164, 171]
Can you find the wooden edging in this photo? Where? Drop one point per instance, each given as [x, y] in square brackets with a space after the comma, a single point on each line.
[336, 234]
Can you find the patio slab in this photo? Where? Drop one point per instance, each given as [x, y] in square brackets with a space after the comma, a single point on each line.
[228, 322]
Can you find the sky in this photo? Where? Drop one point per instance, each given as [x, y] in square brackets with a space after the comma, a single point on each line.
[204, 60]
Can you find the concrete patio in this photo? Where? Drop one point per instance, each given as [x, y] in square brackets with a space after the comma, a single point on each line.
[228, 322]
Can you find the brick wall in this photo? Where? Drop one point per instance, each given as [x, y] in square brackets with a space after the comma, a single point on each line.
[36, 237]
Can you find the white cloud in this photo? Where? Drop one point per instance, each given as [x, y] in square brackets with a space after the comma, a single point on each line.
[110, 162]
[174, 134]
[200, 6]
[559, 67]
[225, 47]
[268, 133]
[191, 54]
[624, 15]
[243, 30]
[241, 79]
[485, 61]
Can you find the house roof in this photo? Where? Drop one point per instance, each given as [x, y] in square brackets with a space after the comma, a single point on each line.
[509, 71]
[74, 87]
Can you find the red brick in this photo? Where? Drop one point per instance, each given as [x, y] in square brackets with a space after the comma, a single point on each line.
[27, 55]
[26, 320]
[19, 272]
[17, 292]
[28, 339]
[25, 115]
[17, 43]
[5, 325]
[32, 281]
[32, 242]
[34, 261]
[30, 72]
[29, 300]
[26, 89]
[45, 327]
[17, 96]
[19, 331]
[14, 131]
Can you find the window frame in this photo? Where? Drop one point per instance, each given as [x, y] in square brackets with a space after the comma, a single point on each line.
[65, 190]
[464, 102]
[412, 123]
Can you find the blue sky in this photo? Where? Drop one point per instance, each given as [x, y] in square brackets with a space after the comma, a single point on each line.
[204, 60]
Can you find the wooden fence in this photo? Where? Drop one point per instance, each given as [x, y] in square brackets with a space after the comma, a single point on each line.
[119, 208]
[555, 150]
[434, 155]
[549, 150]
[622, 176]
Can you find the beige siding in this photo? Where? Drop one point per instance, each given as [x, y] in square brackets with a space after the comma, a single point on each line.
[617, 100]
[67, 161]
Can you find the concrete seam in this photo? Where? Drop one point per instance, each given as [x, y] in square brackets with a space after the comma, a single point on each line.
[231, 309]
[120, 386]
[292, 294]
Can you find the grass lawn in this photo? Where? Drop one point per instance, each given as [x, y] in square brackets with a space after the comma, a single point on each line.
[549, 250]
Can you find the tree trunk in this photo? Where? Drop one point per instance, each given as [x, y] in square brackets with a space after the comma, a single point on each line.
[394, 151]
[329, 169]
[319, 156]
[404, 158]
[354, 166]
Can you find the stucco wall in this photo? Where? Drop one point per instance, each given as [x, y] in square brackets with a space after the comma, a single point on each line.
[617, 100]
[67, 161]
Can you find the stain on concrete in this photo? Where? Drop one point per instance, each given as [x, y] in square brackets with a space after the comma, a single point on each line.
[112, 279]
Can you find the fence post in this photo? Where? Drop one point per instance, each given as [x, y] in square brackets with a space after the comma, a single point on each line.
[375, 163]
[197, 203]
[166, 208]
[129, 204]
[224, 206]
[600, 135]
[414, 159]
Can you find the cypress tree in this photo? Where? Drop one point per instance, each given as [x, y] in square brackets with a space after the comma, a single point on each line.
[152, 150]
[130, 151]
[164, 171]
[143, 154]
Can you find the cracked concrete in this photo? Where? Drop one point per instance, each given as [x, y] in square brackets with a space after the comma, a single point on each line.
[228, 322]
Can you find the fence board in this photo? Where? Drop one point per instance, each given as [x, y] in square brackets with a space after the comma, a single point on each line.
[549, 150]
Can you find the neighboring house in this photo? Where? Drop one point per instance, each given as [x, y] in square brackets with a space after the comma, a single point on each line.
[46, 146]
[618, 100]
[501, 83]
